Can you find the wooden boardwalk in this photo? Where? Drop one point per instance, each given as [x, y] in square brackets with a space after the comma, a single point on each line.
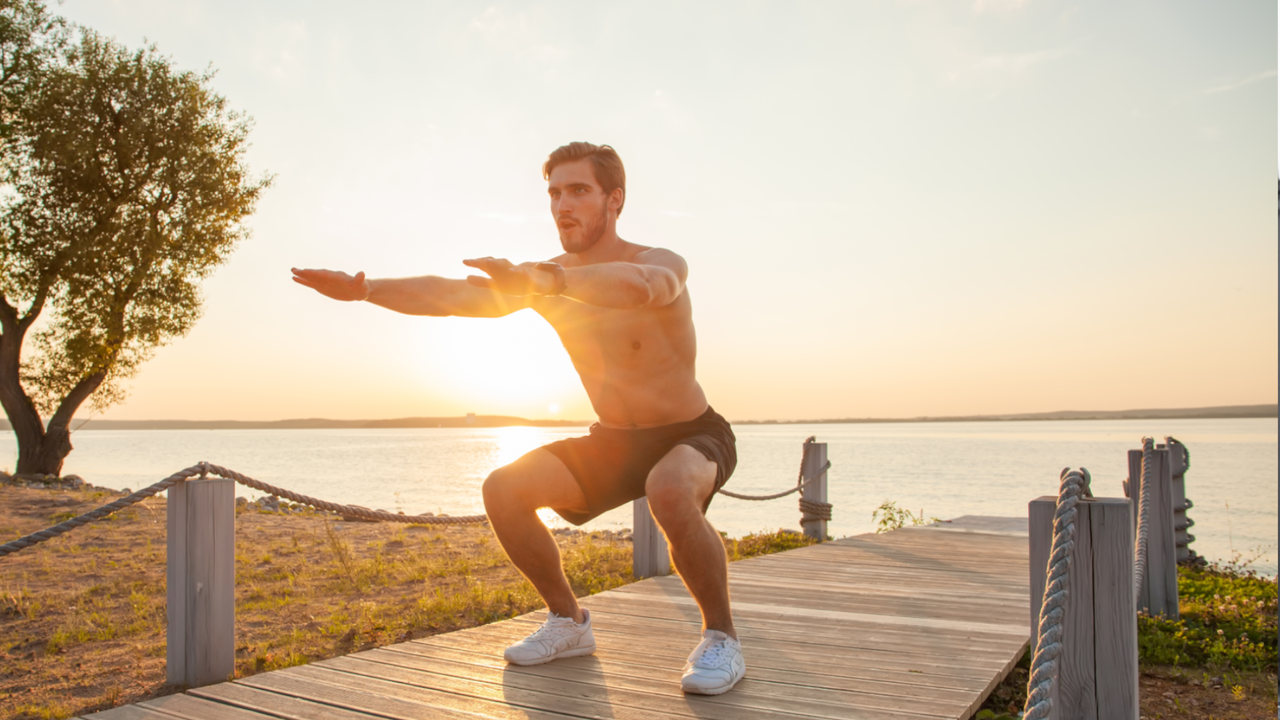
[916, 623]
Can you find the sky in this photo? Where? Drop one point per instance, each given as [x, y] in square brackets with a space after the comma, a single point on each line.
[889, 209]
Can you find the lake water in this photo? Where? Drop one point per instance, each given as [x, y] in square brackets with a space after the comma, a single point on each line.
[943, 469]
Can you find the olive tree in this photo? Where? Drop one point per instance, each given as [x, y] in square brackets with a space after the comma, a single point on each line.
[124, 185]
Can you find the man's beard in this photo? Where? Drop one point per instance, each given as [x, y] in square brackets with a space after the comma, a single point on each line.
[591, 233]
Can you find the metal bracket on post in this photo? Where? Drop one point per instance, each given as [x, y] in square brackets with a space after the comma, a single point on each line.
[815, 460]
[648, 545]
[201, 582]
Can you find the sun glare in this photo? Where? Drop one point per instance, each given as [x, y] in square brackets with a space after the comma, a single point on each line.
[513, 365]
[516, 441]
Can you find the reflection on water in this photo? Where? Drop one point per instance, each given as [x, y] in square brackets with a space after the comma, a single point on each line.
[944, 469]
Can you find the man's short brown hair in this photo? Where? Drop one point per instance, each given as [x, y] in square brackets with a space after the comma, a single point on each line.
[605, 163]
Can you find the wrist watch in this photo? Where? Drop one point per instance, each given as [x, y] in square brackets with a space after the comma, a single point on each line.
[557, 274]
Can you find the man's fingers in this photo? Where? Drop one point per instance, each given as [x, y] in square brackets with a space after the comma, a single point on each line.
[489, 264]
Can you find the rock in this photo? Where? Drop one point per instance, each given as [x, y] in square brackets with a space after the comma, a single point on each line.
[126, 491]
[74, 481]
[241, 502]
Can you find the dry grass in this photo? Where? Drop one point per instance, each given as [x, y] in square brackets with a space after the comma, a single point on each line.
[82, 617]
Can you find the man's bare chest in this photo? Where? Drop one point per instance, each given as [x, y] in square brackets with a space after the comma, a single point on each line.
[594, 335]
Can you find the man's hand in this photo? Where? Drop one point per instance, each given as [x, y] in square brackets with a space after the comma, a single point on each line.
[510, 279]
[337, 285]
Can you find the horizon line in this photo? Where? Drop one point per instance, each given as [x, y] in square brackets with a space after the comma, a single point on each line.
[489, 421]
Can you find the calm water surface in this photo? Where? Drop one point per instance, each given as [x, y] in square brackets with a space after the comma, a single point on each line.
[943, 469]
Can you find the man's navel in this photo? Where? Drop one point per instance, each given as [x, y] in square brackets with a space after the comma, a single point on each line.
[635, 345]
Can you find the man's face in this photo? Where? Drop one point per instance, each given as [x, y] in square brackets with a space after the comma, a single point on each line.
[578, 205]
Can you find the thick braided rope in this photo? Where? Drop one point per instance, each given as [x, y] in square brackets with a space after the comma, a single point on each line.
[1044, 666]
[1144, 516]
[348, 510]
[36, 538]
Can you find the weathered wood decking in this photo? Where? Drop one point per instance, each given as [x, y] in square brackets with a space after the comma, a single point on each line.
[916, 623]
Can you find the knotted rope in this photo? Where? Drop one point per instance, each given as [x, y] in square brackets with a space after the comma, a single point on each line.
[810, 509]
[204, 469]
[1044, 666]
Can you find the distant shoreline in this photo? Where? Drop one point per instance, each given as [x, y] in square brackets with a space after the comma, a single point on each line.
[495, 421]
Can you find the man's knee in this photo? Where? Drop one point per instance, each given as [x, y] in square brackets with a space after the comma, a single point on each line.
[675, 494]
[505, 490]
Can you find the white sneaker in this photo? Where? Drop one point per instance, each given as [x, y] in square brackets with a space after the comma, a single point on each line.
[559, 637]
[715, 666]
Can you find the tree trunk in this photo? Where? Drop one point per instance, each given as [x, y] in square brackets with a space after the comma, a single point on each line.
[22, 413]
[56, 444]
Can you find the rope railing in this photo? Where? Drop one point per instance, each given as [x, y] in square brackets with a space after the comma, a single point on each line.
[205, 469]
[1044, 665]
[810, 510]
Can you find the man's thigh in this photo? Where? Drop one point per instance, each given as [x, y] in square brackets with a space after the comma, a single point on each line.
[538, 479]
[683, 475]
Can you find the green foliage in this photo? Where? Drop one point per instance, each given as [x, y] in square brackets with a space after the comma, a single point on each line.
[1228, 620]
[129, 187]
[30, 38]
[891, 517]
[765, 543]
[125, 187]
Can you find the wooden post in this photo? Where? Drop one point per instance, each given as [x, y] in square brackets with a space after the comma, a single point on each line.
[201, 582]
[650, 556]
[817, 492]
[1098, 667]
[1182, 538]
[1159, 592]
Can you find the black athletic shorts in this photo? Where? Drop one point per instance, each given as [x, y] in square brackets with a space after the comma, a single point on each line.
[611, 465]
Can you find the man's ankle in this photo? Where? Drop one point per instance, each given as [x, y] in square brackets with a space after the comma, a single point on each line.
[576, 614]
[727, 630]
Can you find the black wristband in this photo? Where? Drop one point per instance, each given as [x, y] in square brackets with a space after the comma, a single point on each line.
[557, 272]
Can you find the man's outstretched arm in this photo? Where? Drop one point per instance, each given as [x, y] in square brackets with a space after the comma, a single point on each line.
[426, 295]
[655, 278]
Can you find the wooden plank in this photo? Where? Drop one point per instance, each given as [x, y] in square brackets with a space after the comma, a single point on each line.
[277, 705]
[127, 712]
[176, 584]
[785, 611]
[383, 698]
[655, 699]
[1075, 694]
[756, 694]
[190, 707]
[1040, 539]
[1115, 617]
[666, 665]
[953, 661]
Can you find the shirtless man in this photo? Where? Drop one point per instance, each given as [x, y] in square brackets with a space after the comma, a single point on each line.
[624, 315]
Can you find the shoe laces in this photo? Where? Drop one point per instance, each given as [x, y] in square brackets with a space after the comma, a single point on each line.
[553, 624]
[713, 651]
